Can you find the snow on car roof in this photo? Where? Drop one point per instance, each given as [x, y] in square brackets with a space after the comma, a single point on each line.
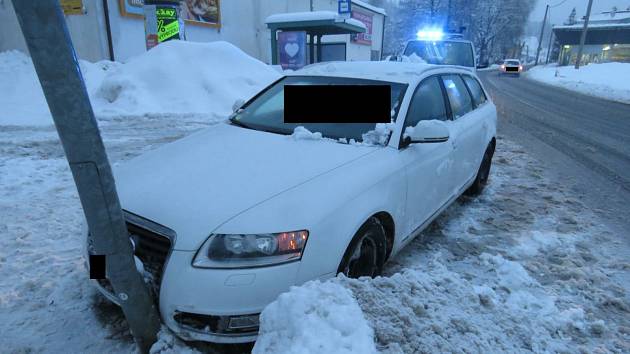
[401, 72]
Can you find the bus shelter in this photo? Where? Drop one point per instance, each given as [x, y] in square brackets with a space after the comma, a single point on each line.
[315, 24]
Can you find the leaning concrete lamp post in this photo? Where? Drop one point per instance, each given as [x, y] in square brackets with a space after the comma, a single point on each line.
[49, 44]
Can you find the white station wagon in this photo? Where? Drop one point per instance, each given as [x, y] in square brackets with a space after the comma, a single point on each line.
[226, 219]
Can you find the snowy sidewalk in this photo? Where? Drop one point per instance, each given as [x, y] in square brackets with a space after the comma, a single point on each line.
[608, 80]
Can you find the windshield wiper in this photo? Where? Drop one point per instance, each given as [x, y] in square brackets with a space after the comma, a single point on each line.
[238, 123]
[246, 126]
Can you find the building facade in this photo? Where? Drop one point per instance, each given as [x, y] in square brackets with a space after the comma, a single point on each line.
[607, 39]
[114, 29]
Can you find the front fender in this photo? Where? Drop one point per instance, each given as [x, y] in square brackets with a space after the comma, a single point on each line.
[332, 207]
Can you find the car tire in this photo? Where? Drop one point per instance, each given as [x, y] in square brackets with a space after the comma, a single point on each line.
[481, 180]
[365, 256]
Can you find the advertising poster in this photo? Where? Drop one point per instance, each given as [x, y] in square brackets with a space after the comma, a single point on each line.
[366, 19]
[292, 48]
[196, 12]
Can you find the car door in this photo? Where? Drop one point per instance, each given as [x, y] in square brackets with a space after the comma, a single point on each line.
[466, 132]
[427, 165]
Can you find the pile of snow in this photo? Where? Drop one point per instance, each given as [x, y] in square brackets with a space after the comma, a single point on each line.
[607, 80]
[301, 133]
[22, 99]
[379, 135]
[314, 318]
[183, 78]
[176, 77]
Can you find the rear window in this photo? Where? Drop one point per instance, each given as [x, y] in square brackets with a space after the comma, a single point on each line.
[458, 96]
[479, 97]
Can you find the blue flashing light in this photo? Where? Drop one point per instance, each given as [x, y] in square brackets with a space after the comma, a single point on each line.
[430, 34]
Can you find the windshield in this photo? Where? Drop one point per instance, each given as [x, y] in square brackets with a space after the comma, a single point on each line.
[266, 111]
[442, 52]
[512, 62]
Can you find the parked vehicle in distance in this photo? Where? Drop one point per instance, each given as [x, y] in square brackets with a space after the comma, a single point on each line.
[511, 67]
[228, 218]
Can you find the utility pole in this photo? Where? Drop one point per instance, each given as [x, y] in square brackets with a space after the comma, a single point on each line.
[311, 5]
[549, 46]
[583, 38]
[542, 30]
[57, 67]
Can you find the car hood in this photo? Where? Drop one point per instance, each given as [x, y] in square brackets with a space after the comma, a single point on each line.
[197, 183]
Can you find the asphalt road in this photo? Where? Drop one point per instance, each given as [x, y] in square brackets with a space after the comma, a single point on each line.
[583, 141]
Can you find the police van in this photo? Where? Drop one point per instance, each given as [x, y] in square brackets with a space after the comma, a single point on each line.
[436, 47]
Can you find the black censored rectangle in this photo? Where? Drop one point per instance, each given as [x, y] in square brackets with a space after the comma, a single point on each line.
[337, 103]
[511, 69]
[97, 266]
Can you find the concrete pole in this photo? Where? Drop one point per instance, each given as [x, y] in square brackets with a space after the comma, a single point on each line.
[583, 38]
[542, 31]
[57, 67]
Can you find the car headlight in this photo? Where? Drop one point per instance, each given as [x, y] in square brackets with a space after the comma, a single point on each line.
[241, 251]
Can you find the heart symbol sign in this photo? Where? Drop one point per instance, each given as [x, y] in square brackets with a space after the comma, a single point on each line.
[292, 49]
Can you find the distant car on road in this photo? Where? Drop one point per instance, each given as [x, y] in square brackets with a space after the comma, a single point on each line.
[511, 67]
[225, 220]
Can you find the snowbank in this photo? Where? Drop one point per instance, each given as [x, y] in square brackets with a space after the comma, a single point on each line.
[314, 318]
[607, 80]
[183, 78]
[175, 77]
[22, 99]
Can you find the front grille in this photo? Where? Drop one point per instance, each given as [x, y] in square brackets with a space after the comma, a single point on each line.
[152, 249]
[152, 244]
[214, 324]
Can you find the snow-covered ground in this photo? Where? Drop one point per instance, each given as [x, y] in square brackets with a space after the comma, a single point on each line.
[525, 267]
[607, 80]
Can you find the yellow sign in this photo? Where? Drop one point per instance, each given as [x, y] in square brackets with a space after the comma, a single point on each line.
[72, 7]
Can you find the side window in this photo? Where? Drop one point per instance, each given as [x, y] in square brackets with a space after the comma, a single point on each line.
[475, 90]
[460, 100]
[427, 103]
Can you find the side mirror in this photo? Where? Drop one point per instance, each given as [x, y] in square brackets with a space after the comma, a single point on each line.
[237, 105]
[426, 131]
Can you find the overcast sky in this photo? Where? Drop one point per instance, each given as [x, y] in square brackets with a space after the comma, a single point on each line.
[560, 13]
